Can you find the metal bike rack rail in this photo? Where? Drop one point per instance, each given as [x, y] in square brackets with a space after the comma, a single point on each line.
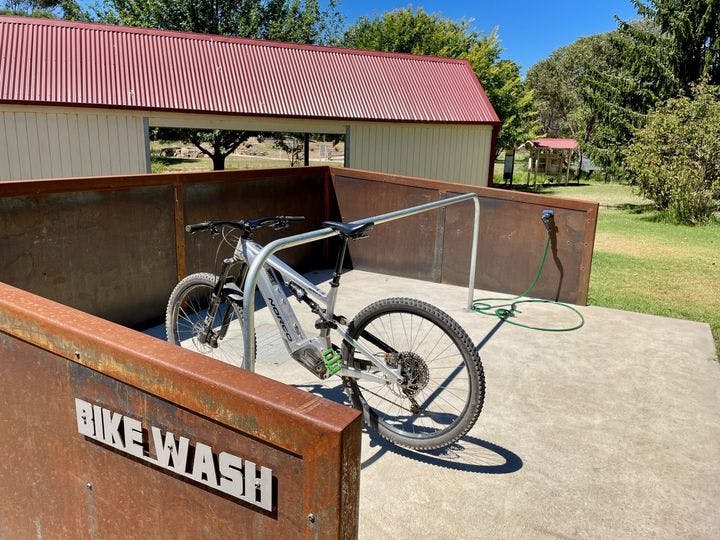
[320, 234]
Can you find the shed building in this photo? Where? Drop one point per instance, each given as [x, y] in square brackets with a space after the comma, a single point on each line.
[78, 99]
[550, 156]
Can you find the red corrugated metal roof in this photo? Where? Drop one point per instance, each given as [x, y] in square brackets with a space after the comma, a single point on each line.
[65, 63]
[556, 144]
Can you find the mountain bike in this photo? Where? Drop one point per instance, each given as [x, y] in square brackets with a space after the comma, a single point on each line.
[407, 365]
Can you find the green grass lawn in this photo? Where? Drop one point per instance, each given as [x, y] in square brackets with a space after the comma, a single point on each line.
[643, 264]
[268, 158]
[175, 164]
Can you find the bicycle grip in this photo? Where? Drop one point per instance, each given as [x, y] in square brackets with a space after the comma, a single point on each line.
[198, 227]
[294, 218]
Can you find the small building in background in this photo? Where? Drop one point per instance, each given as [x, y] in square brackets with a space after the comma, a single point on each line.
[550, 157]
[79, 99]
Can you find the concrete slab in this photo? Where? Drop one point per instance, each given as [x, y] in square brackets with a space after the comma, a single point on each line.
[608, 431]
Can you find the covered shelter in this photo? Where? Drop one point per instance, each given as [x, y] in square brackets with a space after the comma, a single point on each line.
[78, 99]
[550, 156]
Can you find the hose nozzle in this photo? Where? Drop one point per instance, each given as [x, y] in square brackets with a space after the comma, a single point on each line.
[547, 218]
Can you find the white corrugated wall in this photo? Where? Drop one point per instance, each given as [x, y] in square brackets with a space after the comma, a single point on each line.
[49, 143]
[457, 153]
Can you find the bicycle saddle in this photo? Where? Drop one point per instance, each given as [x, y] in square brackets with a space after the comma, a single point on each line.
[350, 230]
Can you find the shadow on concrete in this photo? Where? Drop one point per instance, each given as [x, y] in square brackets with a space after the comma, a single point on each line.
[336, 393]
[469, 454]
[484, 341]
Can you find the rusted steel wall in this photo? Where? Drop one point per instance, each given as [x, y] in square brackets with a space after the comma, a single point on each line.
[435, 246]
[110, 253]
[294, 192]
[116, 246]
[61, 482]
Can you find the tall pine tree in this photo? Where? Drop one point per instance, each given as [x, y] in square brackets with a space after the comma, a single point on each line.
[631, 74]
[693, 28]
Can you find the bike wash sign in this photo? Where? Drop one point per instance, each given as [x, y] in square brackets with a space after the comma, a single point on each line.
[225, 472]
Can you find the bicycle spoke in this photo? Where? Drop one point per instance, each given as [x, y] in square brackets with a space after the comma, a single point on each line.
[189, 320]
[435, 382]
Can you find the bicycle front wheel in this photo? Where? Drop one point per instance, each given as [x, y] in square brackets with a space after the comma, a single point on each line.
[443, 387]
[186, 320]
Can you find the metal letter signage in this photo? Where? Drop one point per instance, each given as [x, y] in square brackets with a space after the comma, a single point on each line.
[234, 476]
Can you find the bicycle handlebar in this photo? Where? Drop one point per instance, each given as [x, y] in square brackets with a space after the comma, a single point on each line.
[277, 222]
[197, 227]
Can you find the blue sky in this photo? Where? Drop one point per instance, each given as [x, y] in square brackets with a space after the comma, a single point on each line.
[529, 30]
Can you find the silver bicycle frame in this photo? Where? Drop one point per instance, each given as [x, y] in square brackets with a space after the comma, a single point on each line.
[285, 318]
[291, 332]
[266, 256]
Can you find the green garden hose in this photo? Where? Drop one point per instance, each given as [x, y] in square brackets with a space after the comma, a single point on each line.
[508, 309]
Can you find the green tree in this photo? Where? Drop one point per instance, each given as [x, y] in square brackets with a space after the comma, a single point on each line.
[630, 76]
[299, 21]
[417, 32]
[600, 89]
[675, 156]
[46, 9]
[216, 144]
[412, 32]
[558, 85]
[292, 144]
[693, 27]
[610, 92]
[663, 55]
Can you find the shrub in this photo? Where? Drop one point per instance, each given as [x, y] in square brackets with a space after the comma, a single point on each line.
[157, 166]
[675, 157]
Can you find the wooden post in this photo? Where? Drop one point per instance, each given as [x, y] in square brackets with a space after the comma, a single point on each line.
[306, 141]
[530, 166]
[509, 165]
[179, 209]
[567, 171]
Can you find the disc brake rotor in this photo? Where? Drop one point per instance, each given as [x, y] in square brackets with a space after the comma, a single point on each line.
[414, 371]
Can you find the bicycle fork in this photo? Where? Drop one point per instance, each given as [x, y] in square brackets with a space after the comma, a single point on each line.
[207, 336]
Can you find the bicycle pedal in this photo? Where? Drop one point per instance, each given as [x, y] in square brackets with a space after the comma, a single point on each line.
[332, 361]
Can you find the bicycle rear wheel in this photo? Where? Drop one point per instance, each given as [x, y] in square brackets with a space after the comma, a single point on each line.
[443, 388]
[186, 314]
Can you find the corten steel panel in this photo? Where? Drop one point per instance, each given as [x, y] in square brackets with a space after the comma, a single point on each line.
[407, 247]
[115, 246]
[111, 253]
[292, 193]
[59, 483]
[511, 239]
[60, 62]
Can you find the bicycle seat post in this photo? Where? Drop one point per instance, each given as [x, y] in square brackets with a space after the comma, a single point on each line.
[335, 282]
[346, 231]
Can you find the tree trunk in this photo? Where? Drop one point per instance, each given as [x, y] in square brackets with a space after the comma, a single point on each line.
[579, 166]
[218, 162]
